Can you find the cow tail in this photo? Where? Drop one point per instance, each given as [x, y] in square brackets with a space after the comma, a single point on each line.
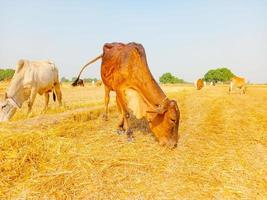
[91, 62]
[54, 96]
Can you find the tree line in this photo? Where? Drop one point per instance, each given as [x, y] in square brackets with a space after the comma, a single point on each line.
[214, 75]
[86, 80]
[6, 74]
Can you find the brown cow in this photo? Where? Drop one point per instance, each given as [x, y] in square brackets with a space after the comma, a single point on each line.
[80, 83]
[238, 82]
[199, 84]
[124, 69]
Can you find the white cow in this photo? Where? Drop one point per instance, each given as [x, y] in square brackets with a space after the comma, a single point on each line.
[30, 78]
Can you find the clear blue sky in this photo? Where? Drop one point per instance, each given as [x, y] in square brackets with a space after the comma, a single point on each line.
[185, 38]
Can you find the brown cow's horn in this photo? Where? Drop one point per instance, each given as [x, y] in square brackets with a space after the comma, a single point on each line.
[161, 109]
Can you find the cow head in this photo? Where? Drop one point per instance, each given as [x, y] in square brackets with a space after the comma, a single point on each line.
[7, 109]
[164, 123]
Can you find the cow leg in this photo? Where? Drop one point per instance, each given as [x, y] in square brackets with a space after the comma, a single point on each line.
[31, 100]
[243, 89]
[125, 113]
[231, 87]
[120, 129]
[46, 95]
[58, 94]
[107, 98]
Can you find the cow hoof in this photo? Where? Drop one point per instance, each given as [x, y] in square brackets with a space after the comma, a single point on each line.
[120, 131]
[130, 136]
[130, 139]
[105, 117]
[129, 132]
[44, 111]
[29, 115]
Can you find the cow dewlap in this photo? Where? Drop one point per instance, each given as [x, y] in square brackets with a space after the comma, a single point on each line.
[136, 103]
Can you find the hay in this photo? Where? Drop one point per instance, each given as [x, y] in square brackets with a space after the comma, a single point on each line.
[222, 152]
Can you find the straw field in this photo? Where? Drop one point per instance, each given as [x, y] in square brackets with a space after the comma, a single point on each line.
[71, 153]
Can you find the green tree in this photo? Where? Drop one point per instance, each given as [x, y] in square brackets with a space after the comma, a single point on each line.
[219, 74]
[169, 78]
[6, 74]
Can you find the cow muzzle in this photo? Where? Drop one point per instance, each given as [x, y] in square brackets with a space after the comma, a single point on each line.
[7, 110]
[171, 143]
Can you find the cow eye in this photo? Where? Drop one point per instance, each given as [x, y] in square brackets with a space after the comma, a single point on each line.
[173, 120]
[3, 106]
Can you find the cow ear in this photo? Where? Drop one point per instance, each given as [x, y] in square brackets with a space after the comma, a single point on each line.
[158, 110]
[173, 103]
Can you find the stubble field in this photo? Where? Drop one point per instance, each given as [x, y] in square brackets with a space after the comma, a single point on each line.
[71, 153]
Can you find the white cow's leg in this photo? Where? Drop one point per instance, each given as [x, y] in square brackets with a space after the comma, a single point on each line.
[46, 95]
[243, 89]
[31, 100]
[58, 94]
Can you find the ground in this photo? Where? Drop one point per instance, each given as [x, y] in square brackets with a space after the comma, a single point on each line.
[71, 153]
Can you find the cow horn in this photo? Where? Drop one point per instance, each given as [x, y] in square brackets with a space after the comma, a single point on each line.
[161, 110]
[158, 110]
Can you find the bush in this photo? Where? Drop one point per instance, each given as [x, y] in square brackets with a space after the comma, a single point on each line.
[6, 74]
[169, 78]
[85, 80]
[90, 80]
[64, 80]
[219, 74]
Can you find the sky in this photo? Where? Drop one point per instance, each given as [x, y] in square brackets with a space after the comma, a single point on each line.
[186, 38]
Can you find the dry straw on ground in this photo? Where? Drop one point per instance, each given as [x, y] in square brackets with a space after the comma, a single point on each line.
[74, 154]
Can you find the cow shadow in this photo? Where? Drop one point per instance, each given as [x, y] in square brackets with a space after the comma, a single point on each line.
[139, 125]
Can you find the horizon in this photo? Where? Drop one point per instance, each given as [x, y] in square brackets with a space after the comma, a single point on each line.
[186, 39]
